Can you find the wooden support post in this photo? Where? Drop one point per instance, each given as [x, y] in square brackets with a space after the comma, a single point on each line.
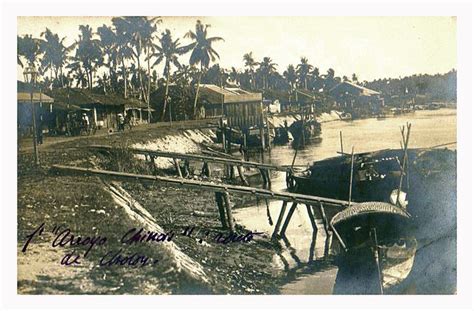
[245, 151]
[205, 171]
[242, 176]
[325, 219]
[328, 242]
[280, 219]
[269, 181]
[264, 178]
[288, 218]
[228, 208]
[178, 169]
[311, 218]
[221, 209]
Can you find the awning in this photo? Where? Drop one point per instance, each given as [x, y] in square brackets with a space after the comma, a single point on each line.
[25, 97]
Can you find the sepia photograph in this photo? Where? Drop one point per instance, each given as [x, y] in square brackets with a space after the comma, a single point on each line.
[236, 155]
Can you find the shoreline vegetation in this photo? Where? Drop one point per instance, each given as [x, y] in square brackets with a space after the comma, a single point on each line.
[123, 57]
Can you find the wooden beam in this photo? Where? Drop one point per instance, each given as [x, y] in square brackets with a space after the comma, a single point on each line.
[190, 183]
[197, 157]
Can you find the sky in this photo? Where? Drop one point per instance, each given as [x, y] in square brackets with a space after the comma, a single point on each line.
[371, 47]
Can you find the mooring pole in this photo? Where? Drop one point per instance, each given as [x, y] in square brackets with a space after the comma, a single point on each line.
[352, 175]
[342, 145]
[377, 259]
[405, 158]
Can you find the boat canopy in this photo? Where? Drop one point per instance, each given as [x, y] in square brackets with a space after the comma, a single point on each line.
[357, 209]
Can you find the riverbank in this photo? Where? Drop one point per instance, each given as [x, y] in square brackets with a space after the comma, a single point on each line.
[86, 206]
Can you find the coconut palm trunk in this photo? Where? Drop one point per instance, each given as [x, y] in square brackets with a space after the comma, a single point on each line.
[149, 78]
[165, 102]
[197, 93]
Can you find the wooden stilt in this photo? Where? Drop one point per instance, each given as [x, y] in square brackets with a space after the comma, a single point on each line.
[311, 218]
[269, 181]
[264, 178]
[242, 176]
[205, 171]
[288, 218]
[280, 219]
[325, 219]
[228, 208]
[178, 169]
[220, 208]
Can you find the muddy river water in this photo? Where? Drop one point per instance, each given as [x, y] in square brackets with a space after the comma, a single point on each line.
[305, 262]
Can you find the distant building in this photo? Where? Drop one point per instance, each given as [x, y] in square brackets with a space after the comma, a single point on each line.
[352, 96]
[44, 106]
[242, 108]
[101, 108]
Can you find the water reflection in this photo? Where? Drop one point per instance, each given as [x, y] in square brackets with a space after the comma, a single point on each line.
[307, 261]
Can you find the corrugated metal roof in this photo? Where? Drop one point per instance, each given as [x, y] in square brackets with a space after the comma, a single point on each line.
[365, 91]
[217, 95]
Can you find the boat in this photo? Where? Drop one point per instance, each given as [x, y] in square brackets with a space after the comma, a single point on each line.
[376, 251]
[376, 177]
[312, 129]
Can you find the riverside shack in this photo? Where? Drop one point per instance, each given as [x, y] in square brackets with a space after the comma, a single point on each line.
[355, 97]
[242, 109]
[101, 108]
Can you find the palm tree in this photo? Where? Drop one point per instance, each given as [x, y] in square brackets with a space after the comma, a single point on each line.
[139, 32]
[88, 56]
[266, 68]
[355, 79]
[202, 52]
[28, 48]
[290, 76]
[234, 76]
[250, 63]
[303, 69]
[124, 53]
[315, 79]
[54, 55]
[108, 44]
[168, 50]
